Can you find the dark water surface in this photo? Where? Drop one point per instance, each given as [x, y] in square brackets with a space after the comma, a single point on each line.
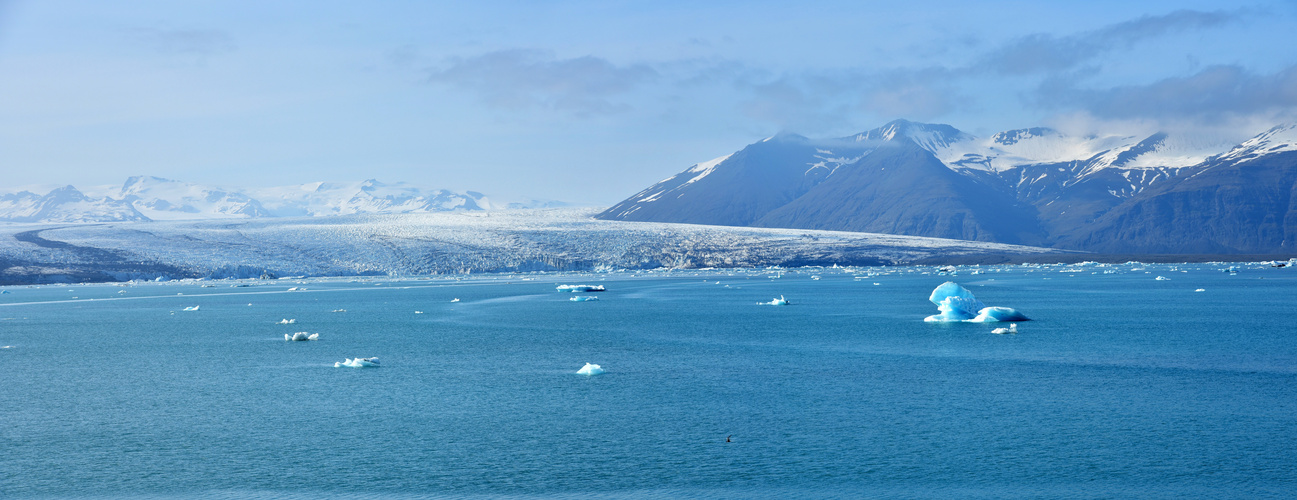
[1122, 386]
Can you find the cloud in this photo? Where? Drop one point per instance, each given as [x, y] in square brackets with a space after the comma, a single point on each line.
[189, 43]
[1040, 52]
[519, 79]
[1216, 92]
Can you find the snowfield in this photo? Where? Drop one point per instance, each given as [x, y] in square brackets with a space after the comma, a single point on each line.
[435, 243]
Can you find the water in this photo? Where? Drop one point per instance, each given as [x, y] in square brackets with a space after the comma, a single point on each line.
[1123, 386]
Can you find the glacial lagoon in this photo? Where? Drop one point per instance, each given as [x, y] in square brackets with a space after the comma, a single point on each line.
[1122, 385]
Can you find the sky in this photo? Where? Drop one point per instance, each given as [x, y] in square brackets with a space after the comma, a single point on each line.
[590, 102]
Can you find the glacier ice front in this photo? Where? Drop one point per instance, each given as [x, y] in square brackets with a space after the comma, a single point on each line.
[956, 303]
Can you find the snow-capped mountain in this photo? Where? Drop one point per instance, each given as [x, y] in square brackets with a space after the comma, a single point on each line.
[154, 198]
[1030, 186]
[64, 204]
[371, 196]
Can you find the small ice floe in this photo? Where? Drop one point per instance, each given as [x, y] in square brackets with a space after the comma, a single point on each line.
[583, 298]
[191, 308]
[1013, 328]
[956, 303]
[1231, 270]
[335, 310]
[456, 299]
[6, 292]
[6, 347]
[815, 277]
[358, 363]
[777, 301]
[299, 336]
[590, 369]
[1162, 278]
[418, 312]
[294, 289]
[1201, 290]
[287, 321]
[580, 288]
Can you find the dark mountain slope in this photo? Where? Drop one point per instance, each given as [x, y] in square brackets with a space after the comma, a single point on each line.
[1244, 207]
[900, 188]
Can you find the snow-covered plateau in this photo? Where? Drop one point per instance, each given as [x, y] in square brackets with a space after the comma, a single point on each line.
[436, 243]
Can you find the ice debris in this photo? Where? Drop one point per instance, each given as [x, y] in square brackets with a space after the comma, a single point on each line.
[358, 363]
[191, 308]
[590, 369]
[286, 321]
[1162, 278]
[956, 303]
[456, 299]
[302, 336]
[580, 288]
[583, 298]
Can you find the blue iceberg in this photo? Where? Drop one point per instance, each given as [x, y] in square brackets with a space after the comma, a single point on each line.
[956, 303]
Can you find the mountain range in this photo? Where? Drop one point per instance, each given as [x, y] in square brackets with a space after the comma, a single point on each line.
[144, 198]
[1160, 193]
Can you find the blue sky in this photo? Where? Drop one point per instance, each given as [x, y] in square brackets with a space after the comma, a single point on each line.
[589, 102]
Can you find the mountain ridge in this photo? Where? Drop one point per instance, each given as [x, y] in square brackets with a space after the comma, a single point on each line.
[1033, 186]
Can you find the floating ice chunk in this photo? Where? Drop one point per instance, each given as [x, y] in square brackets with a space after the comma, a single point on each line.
[1201, 290]
[777, 301]
[583, 298]
[456, 299]
[580, 288]
[956, 303]
[358, 363]
[590, 369]
[287, 321]
[335, 310]
[192, 308]
[299, 336]
[1162, 278]
[1013, 328]
[418, 312]
[997, 314]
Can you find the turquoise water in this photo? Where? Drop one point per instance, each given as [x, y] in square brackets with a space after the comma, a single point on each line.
[1122, 386]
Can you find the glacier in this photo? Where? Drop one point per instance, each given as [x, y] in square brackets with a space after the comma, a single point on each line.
[956, 303]
[421, 244]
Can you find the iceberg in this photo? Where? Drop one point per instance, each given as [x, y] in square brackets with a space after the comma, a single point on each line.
[590, 369]
[580, 288]
[456, 299]
[1013, 328]
[286, 321]
[777, 301]
[583, 298]
[192, 308]
[956, 303]
[302, 336]
[358, 363]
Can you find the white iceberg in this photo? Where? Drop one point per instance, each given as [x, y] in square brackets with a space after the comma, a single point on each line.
[956, 303]
[1162, 278]
[192, 308]
[1013, 328]
[302, 336]
[580, 288]
[358, 363]
[583, 298]
[590, 369]
[456, 299]
[777, 301]
[286, 321]
[1201, 290]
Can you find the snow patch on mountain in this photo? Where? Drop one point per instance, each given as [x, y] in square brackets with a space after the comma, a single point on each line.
[1278, 139]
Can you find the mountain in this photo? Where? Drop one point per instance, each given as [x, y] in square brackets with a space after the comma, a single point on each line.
[65, 204]
[154, 198]
[1111, 193]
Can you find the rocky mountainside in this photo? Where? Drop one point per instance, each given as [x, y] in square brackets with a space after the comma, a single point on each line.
[1158, 193]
